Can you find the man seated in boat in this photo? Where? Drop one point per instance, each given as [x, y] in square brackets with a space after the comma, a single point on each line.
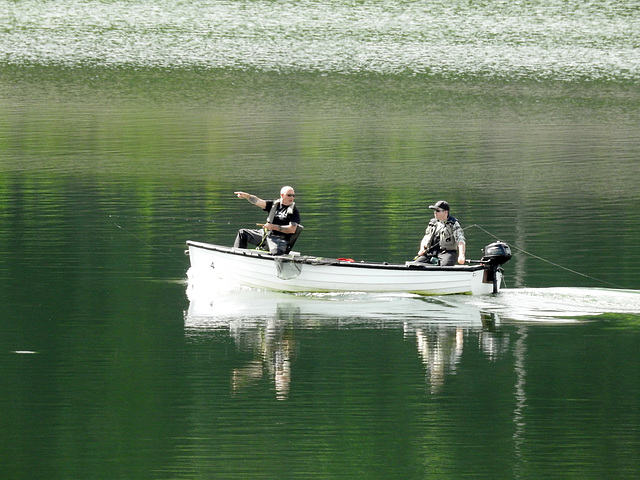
[443, 242]
[282, 223]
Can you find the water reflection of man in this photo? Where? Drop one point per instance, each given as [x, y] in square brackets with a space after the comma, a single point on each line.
[282, 222]
[441, 350]
[443, 241]
[275, 345]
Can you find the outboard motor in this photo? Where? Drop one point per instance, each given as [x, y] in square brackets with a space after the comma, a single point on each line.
[495, 255]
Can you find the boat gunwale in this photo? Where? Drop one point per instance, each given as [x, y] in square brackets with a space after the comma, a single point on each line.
[321, 261]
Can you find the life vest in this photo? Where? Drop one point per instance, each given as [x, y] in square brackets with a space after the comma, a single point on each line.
[274, 209]
[447, 239]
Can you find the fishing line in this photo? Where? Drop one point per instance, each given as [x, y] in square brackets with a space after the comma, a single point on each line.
[547, 261]
[144, 242]
[182, 219]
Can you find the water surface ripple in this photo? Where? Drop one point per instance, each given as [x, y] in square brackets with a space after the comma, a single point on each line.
[543, 39]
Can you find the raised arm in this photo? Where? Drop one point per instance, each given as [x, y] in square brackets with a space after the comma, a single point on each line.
[252, 199]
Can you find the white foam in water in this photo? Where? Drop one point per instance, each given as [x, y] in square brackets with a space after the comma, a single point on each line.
[559, 304]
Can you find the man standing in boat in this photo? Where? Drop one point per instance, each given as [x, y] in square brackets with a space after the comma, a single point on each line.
[283, 222]
[443, 241]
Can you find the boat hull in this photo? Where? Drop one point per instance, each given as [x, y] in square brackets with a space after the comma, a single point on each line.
[296, 273]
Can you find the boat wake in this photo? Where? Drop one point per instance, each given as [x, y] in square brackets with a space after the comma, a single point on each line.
[561, 304]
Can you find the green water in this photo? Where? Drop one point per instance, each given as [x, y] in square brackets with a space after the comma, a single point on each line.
[125, 127]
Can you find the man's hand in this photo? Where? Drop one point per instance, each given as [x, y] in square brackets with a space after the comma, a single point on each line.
[251, 199]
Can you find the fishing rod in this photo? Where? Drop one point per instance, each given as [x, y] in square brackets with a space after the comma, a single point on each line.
[537, 257]
[183, 219]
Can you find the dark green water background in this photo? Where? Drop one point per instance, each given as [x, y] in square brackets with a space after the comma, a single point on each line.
[125, 129]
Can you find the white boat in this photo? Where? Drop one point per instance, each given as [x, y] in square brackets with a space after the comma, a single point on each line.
[301, 273]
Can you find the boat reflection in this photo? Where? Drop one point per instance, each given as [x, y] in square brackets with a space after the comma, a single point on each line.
[441, 346]
[273, 345]
[266, 324]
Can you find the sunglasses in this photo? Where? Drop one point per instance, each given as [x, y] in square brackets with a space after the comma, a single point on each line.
[290, 195]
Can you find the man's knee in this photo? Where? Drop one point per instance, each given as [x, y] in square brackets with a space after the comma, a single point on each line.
[240, 241]
[246, 236]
